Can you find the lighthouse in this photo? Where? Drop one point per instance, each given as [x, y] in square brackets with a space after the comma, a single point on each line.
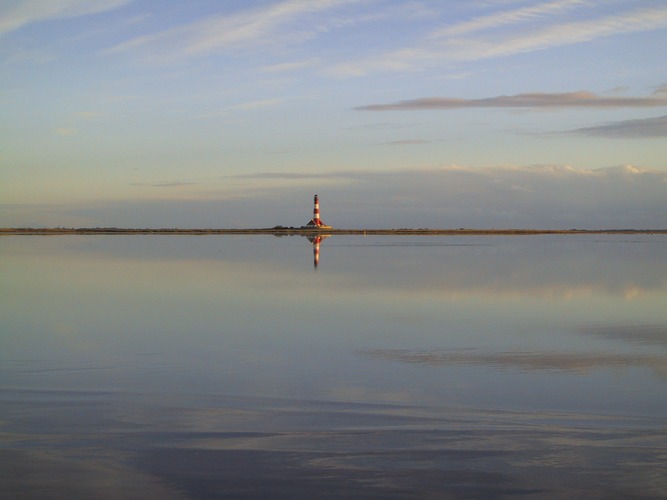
[316, 212]
[316, 222]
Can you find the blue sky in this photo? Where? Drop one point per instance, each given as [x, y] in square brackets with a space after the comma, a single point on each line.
[506, 113]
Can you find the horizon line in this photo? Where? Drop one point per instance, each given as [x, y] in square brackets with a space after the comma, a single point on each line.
[283, 230]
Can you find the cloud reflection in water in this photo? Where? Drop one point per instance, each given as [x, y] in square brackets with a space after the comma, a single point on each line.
[576, 362]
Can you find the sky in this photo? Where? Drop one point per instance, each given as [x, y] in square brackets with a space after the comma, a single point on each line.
[224, 114]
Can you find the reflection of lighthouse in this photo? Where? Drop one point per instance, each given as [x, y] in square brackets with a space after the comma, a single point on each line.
[316, 222]
[316, 240]
[316, 251]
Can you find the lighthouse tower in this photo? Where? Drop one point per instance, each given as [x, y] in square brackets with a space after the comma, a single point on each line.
[316, 212]
[316, 222]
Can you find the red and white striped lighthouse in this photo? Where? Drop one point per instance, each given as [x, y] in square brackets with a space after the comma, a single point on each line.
[316, 212]
[316, 222]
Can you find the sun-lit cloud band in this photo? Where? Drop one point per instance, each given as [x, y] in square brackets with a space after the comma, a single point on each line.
[581, 99]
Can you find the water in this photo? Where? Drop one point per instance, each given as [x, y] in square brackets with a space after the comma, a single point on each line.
[399, 366]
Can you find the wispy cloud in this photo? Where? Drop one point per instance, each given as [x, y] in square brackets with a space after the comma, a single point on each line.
[509, 17]
[642, 128]
[581, 99]
[276, 24]
[167, 184]
[406, 142]
[527, 29]
[260, 103]
[569, 34]
[16, 14]
[290, 66]
[501, 31]
[284, 175]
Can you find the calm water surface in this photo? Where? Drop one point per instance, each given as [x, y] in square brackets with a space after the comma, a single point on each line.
[232, 366]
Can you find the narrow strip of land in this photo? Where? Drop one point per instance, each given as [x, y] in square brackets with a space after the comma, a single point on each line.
[288, 231]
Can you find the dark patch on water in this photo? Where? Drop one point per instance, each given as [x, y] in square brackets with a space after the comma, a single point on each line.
[286, 474]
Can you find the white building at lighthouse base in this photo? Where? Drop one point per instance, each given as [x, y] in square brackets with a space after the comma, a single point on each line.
[313, 225]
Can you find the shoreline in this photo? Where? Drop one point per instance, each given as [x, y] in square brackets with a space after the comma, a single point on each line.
[298, 231]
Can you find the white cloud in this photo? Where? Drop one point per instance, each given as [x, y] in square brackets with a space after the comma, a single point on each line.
[566, 34]
[290, 66]
[481, 39]
[274, 24]
[19, 13]
[508, 17]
